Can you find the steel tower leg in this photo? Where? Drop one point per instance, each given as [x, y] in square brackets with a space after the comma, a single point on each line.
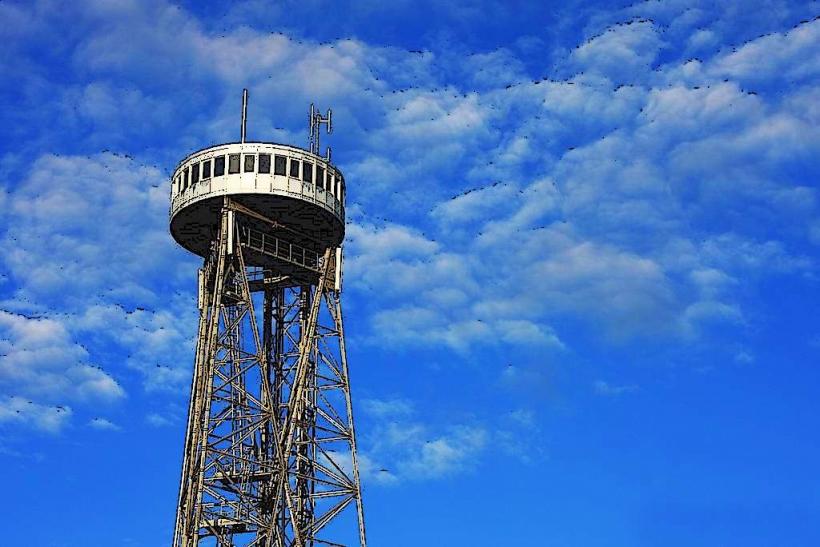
[270, 453]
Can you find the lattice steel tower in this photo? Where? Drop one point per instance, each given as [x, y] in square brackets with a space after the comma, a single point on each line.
[270, 450]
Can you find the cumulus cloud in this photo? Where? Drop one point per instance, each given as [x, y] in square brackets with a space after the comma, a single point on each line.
[158, 343]
[444, 454]
[411, 451]
[633, 189]
[424, 326]
[159, 420]
[40, 359]
[607, 389]
[479, 203]
[621, 52]
[103, 424]
[18, 410]
[387, 407]
[790, 55]
[81, 227]
[399, 446]
[87, 236]
[644, 225]
[86, 239]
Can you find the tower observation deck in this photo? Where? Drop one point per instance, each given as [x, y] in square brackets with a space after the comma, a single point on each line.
[270, 450]
[302, 193]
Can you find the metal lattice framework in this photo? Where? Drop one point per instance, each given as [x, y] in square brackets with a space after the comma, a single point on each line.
[270, 451]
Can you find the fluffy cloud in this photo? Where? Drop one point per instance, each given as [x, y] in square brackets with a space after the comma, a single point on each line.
[387, 407]
[18, 410]
[443, 454]
[86, 240]
[479, 203]
[621, 52]
[400, 445]
[158, 343]
[791, 56]
[636, 190]
[607, 389]
[40, 360]
[622, 226]
[412, 451]
[83, 228]
[159, 420]
[88, 237]
[103, 424]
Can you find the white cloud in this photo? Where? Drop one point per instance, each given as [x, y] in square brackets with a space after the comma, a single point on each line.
[523, 417]
[81, 227]
[711, 281]
[702, 40]
[621, 52]
[637, 208]
[436, 119]
[87, 236]
[18, 410]
[493, 69]
[787, 56]
[159, 420]
[445, 454]
[102, 424]
[397, 259]
[426, 326]
[159, 343]
[387, 407]
[401, 262]
[620, 229]
[371, 471]
[380, 245]
[411, 451]
[744, 357]
[396, 446]
[478, 204]
[610, 390]
[40, 359]
[703, 111]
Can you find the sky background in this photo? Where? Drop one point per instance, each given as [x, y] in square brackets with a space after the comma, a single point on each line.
[581, 281]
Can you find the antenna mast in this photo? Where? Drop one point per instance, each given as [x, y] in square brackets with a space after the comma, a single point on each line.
[315, 120]
[244, 113]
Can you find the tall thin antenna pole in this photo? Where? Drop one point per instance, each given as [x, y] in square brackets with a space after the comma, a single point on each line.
[244, 112]
[315, 120]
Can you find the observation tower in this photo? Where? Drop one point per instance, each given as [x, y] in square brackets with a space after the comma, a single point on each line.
[270, 450]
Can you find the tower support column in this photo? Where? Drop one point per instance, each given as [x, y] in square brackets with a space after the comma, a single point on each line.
[270, 454]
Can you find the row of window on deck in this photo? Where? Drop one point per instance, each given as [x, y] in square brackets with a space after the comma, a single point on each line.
[282, 165]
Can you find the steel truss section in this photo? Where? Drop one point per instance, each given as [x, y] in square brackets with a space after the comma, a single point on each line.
[270, 451]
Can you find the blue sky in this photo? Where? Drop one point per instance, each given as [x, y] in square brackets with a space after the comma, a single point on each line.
[581, 260]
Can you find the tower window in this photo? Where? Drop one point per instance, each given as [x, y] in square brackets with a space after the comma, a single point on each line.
[279, 165]
[233, 164]
[206, 169]
[264, 163]
[185, 179]
[219, 166]
[307, 171]
[194, 173]
[294, 168]
[250, 159]
[320, 176]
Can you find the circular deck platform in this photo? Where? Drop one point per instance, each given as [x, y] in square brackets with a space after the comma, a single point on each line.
[286, 184]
